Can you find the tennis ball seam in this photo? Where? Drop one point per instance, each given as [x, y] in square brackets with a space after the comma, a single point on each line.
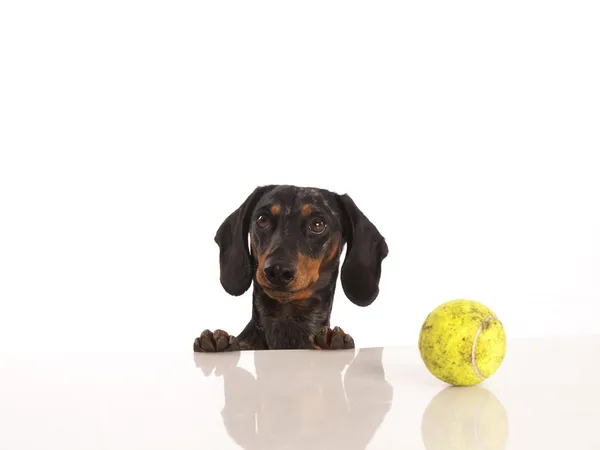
[474, 347]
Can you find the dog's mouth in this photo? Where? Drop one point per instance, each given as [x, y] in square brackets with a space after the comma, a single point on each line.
[288, 295]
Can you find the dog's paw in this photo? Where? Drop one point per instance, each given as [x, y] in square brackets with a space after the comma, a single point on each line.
[328, 339]
[219, 341]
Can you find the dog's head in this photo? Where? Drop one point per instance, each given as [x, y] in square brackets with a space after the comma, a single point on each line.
[296, 238]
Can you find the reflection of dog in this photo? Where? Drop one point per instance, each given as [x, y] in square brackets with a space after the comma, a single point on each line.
[302, 398]
[296, 240]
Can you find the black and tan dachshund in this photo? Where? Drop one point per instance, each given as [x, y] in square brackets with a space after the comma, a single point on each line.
[297, 235]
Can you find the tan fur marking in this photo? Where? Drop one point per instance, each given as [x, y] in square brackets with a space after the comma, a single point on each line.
[306, 210]
[334, 249]
[275, 209]
[260, 275]
[302, 295]
[307, 272]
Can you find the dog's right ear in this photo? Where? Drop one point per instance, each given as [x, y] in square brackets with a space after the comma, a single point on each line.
[232, 238]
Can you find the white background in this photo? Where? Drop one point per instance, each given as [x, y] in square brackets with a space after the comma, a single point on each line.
[468, 132]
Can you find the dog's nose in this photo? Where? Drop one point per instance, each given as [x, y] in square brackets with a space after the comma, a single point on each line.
[279, 275]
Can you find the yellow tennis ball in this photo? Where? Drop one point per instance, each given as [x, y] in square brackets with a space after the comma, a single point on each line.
[462, 342]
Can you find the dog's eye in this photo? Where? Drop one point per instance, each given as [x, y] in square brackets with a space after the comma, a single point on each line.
[317, 225]
[263, 221]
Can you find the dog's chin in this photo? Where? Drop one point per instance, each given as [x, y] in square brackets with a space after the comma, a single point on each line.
[286, 296]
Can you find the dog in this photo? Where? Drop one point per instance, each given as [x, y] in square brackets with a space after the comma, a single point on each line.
[296, 236]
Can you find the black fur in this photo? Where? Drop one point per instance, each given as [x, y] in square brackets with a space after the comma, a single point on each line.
[297, 235]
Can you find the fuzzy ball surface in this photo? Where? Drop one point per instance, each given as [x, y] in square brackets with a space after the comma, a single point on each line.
[462, 342]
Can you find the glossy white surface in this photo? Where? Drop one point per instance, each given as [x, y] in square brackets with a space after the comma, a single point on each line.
[545, 396]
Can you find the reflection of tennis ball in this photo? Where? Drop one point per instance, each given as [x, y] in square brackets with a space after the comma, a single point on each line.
[464, 419]
[462, 342]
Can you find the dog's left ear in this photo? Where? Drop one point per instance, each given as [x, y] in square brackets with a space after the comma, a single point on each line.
[366, 251]
[232, 238]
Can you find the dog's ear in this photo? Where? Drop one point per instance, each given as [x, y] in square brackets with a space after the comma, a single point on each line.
[366, 250]
[232, 239]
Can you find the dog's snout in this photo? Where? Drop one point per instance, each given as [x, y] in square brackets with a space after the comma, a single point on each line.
[279, 274]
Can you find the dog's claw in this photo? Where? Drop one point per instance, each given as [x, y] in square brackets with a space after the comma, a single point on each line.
[215, 342]
[328, 339]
